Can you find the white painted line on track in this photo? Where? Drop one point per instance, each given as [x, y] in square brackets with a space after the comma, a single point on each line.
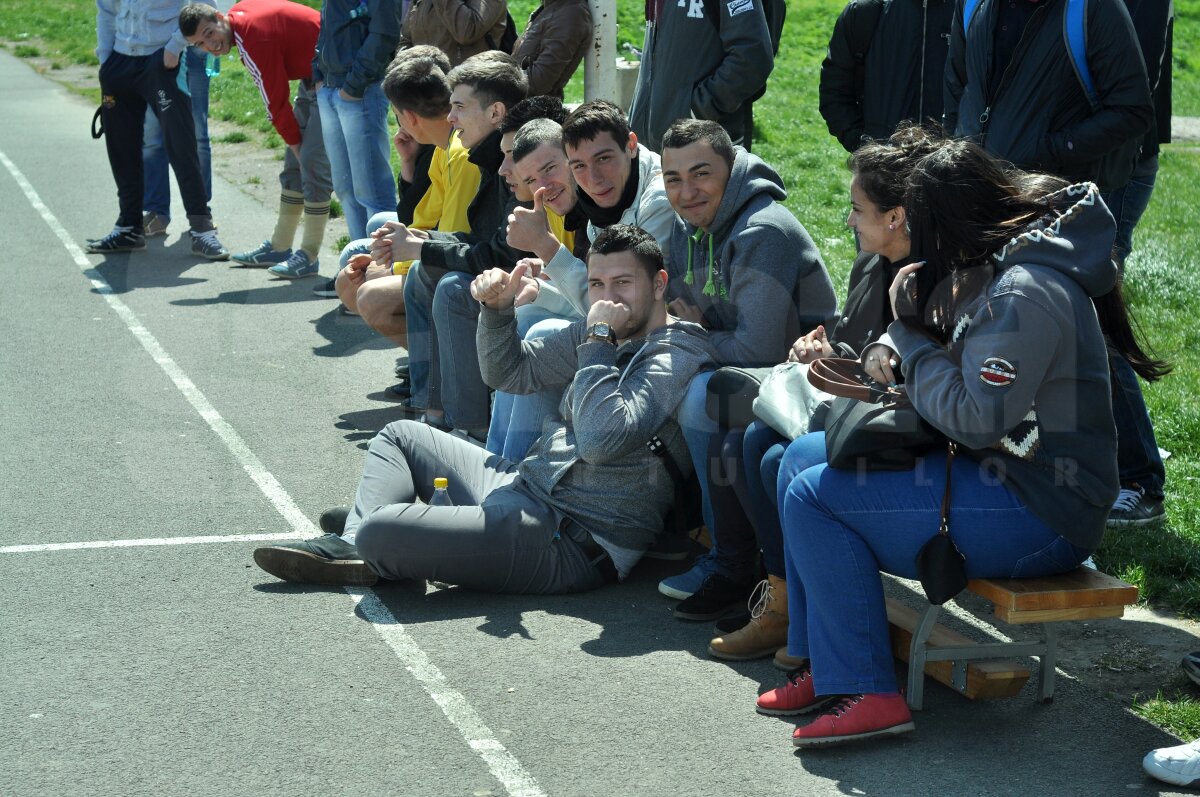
[148, 542]
[503, 765]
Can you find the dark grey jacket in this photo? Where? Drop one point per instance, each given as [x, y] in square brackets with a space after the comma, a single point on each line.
[592, 464]
[1024, 384]
[353, 51]
[1038, 116]
[696, 66]
[769, 284]
[902, 70]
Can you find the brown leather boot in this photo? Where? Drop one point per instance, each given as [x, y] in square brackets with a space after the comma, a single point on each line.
[765, 632]
[788, 663]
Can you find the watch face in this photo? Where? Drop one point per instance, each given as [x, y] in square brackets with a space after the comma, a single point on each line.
[603, 330]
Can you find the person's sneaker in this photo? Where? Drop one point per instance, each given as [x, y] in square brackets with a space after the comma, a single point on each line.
[717, 597]
[1134, 508]
[795, 697]
[327, 289]
[684, 585]
[327, 560]
[207, 246]
[121, 239]
[856, 717]
[1178, 765]
[669, 547]
[333, 520]
[298, 266]
[154, 224]
[262, 256]
[402, 369]
[1191, 667]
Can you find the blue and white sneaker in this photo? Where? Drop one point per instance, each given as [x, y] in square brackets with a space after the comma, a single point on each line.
[685, 585]
[262, 256]
[297, 267]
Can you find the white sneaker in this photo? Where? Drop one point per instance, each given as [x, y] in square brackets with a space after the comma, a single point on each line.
[1177, 765]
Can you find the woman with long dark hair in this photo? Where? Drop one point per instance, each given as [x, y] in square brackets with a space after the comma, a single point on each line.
[999, 347]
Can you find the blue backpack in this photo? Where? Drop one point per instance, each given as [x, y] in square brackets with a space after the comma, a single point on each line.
[1075, 37]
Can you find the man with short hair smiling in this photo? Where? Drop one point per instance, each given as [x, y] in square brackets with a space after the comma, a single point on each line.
[440, 313]
[617, 179]
[576, 513]
[745, 268]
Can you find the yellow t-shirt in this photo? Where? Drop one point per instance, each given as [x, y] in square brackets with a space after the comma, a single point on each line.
[453, 183]
[559, 230]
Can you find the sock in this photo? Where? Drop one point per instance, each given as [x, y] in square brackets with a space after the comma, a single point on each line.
[315, 216]
[291, 205]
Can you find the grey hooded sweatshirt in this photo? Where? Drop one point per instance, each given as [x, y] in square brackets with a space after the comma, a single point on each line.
[1024, 383]
[755, 274]
[592, 464]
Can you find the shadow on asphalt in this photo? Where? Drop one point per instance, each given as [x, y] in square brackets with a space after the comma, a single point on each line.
[347, 334]
[276, 292]
[362, 425]
[129, 271]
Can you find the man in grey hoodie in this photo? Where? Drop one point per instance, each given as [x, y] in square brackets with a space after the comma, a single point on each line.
[743, 267]
[594, 490]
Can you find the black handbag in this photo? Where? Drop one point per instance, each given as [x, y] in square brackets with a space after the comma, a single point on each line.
[941, 567]
[868, 425]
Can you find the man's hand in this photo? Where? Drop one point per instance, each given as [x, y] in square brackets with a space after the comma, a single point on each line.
[170, 59]
[682, 309]
[615, 315]
[381, 243]
[356, 269]
[348, 98]
[497, 289]
[530, 288]
[529, 230]
[407, 148]
[534, 264]
[812, 346]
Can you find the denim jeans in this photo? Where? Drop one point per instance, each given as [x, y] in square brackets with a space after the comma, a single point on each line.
[517, 420]
[423, 374]
[842, 527]
[762, 454]
[1138, 460]
[156, 197]
[358, 145]
[1130, 201]
[362, 246]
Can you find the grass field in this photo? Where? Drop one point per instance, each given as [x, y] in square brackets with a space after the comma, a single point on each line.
[1163, 275]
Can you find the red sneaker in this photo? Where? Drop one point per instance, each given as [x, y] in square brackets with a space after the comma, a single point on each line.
[857, 717]
[796, 697]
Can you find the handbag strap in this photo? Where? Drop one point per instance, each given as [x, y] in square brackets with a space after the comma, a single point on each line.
[839, 376]
[944, 528]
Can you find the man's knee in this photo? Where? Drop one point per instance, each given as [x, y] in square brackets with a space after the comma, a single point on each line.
[380, 300]
[454, 293]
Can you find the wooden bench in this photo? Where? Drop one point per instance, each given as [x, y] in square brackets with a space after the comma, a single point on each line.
[980, 670]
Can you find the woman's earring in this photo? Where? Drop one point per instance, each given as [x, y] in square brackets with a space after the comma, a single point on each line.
[891, 226]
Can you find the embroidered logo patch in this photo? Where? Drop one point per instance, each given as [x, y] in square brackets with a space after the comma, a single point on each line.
[738, 6]
[997, 372]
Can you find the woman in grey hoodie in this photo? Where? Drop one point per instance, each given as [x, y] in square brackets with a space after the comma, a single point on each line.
[1001, 351]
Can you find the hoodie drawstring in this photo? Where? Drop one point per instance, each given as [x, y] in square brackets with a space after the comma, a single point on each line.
[711, 287]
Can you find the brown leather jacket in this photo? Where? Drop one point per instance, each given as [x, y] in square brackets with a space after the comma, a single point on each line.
[553, 44]
[459, 28]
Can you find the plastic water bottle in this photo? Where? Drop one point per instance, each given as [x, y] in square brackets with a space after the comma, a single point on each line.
[441, 497]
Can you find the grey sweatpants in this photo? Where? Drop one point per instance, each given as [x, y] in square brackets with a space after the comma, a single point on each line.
[498, 536]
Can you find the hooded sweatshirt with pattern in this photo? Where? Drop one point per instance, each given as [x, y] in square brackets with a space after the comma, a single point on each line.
[755, 274]
[1024, 383]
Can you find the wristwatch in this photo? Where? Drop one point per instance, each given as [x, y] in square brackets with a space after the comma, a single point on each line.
[602, 331]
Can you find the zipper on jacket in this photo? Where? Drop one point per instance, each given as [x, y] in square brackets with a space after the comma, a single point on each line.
[1022, 46]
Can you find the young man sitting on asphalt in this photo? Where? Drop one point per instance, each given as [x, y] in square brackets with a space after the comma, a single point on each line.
[581, 509]
[440, 313]
[276, 40]
[415, 85]
[745, 268]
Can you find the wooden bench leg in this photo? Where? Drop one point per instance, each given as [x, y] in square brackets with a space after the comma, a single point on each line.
[1049, 659]
[916, 657]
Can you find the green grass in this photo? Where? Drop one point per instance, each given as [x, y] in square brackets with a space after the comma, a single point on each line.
[1163, 275]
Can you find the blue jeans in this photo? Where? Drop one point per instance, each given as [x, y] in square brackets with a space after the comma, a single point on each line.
[842, 527]
[1129, 202]
[1138, 460]
[358, 145]
[156, 197]
[517, 420]
[762, 454]
[362, 246]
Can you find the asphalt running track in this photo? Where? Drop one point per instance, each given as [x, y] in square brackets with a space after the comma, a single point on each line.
[162, 415]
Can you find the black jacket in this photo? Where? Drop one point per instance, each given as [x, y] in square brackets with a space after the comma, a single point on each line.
[486, 246]
[411, 194]
[899, 75]
[1038, 116]
[1152, 22]
[353, 51]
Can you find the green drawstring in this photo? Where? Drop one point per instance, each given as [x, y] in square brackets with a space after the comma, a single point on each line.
[710, 286]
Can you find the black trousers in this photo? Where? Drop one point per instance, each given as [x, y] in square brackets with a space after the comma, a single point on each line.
[130, 83]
